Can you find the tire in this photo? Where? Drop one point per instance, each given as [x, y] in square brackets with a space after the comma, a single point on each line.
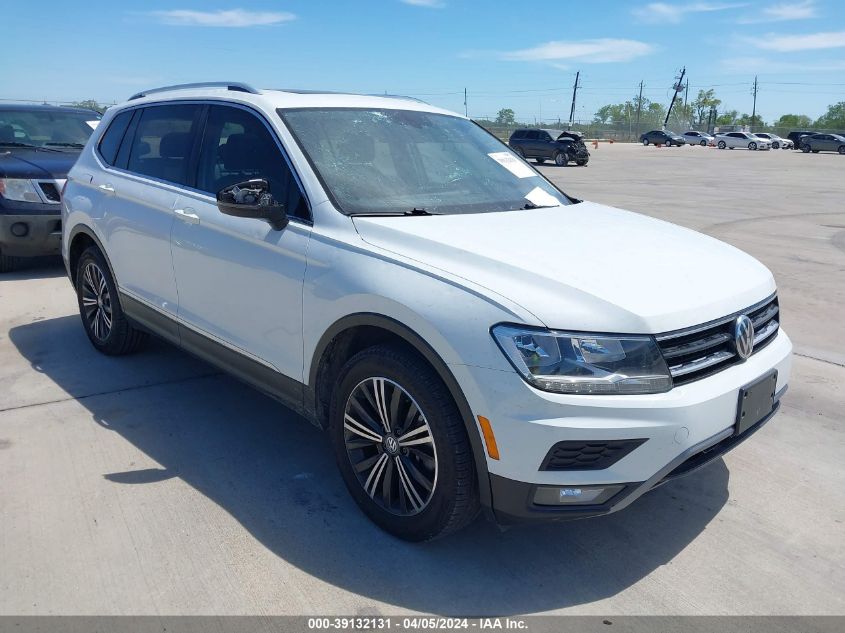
[703, 143]
[841, 149]
[519, 151]
[99, 306]
[645, 141]
[816, 151]
[668, 143]
[752, 145]
[539, 161]
[722, 145]
[805, 148]
[582, 162]
[9, 263]
[775, 145]
[561, 159]
[400, 503]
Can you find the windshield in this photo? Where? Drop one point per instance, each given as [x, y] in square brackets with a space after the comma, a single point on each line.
[46, 128]
[374, 161]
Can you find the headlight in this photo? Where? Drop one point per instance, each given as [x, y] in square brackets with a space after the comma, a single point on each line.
[576, 363]
[18, 189]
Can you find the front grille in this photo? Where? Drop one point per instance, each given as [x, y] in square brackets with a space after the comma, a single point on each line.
[50, 191]
[588, 455]
[700, 351]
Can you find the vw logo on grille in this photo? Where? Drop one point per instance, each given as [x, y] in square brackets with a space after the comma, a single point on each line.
[391, 444]
[744, 336]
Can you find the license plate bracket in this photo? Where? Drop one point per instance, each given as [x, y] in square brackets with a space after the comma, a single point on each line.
[756, 401]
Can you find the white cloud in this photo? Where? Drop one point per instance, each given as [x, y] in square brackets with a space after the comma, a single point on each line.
[231, 18]
[664, 12]
[791, 43]
[589, 51]
[783, 12]
[429, 4]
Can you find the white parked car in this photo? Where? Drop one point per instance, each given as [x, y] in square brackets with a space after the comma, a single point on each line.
[468, 335]
[776, 141]
[693, 137]
[744, 140]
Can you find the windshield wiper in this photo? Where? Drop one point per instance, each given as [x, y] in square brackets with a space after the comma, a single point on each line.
[414, 211]
[531, 205]
[79, 145]
[16, 144]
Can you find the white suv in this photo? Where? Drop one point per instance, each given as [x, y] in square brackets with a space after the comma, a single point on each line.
[468, 335]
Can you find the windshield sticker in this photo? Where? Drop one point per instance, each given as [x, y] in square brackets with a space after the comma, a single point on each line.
[541, 198]
[512, 164]
[93, 124]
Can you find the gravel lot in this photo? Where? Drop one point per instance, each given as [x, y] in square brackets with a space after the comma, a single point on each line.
[154, 485]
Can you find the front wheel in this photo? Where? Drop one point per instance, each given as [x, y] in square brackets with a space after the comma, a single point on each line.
[561, 159]
[842, 149]
[775, 145]
[752, 146]
[401, 445]
[805, 149]
[722, 145]
[99, 306]
[703, 143]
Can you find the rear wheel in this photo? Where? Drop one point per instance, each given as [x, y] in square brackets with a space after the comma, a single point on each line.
[99, 306]
[645, 141]
[539, 161]
[401, 445]
[722, 145]
[519, 151]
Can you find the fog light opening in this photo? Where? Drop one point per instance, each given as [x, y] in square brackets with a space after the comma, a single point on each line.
[19, 229]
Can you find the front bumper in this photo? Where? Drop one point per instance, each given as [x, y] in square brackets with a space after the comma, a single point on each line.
[31, 234]
[683, 428]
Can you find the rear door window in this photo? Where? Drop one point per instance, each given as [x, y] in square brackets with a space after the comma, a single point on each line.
[161, 147]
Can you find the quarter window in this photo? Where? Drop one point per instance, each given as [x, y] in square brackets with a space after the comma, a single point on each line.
[113, 136]
[236, 147]
[162, 144]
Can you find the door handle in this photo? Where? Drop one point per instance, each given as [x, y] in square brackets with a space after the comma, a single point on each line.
[107, 187]
[187, 215]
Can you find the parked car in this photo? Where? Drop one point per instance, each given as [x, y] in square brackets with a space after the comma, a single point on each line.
[745, 140]
[823, 143]
[394, 273]
[776, 141]
[38, 145]
[662, 137]
[694, 137]
[796, 137]
[555, 145]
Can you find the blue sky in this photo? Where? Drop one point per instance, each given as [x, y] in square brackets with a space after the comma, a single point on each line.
[507, 54]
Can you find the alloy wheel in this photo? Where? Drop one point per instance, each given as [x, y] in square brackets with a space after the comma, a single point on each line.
[96, 301]
[390, 446]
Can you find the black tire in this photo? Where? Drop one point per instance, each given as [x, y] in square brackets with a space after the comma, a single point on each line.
[539, 161]
[703, 143]
[561, 159]
[8, 263]
[104, 321]
[805, 148]
[452, 500]
[816, 151]
[581, 163]
[668, 143]
[776, 145]
[842, 149]
[519, 151]
[645, 141]
[722, 145]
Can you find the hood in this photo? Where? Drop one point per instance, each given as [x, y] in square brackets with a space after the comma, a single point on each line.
[583, 266]
[22, 162]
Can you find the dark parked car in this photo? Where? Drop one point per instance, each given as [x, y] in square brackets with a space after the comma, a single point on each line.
[38, 146]
[662, 137]
[823, 143]
[795, 137]
[556, 145]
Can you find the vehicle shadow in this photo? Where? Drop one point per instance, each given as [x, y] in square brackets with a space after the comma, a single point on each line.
[274, 473]
[46, 267]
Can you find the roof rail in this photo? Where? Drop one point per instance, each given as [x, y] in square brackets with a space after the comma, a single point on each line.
[389, 96]
[229, 85]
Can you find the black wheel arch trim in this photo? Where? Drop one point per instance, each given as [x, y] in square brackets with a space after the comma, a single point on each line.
[422, 347]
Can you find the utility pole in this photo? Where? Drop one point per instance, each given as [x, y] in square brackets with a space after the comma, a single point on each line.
[639, 108]
[754, 108]
[574, 93]
[678, 87]
[466, 112]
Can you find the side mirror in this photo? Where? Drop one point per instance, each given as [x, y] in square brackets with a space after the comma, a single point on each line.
[252, 199]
